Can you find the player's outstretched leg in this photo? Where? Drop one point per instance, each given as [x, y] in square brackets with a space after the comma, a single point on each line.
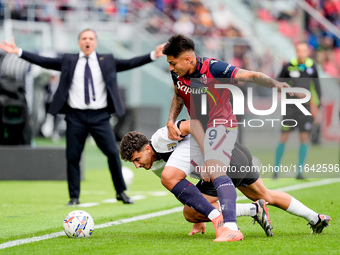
[320, 225]
[262, 217]
[286, 202]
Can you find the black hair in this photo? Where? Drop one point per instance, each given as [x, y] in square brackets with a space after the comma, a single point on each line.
[178, 44]
[131, 142]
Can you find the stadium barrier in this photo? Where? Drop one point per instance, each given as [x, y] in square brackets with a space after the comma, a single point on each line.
[27, 163]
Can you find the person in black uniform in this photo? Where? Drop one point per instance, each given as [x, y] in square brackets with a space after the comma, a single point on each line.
[88, 94]
[300, 72]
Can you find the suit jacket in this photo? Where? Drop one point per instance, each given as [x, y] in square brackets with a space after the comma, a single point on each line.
[67, 64]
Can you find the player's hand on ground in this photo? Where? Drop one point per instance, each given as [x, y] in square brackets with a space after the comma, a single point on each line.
[197, 228]
[159, 50]
[280, 85]
[173, 131]
[9, 47]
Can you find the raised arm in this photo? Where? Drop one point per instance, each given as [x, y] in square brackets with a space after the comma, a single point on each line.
[260, 79]
[49, 63]
[9, 47]
[126, 64]
[175, 109]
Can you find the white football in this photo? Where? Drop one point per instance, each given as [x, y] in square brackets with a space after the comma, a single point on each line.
[128, 175]
[78, 224]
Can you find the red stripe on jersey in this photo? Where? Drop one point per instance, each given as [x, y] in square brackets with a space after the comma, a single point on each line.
[233, 74]
[193, 163]
[227, 154]
[220, 142]
[198, 64]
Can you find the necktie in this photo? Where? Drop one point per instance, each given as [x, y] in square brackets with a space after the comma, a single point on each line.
[88, 79]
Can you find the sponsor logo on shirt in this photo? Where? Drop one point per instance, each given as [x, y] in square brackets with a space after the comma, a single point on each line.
[188, 90]
[226, 70]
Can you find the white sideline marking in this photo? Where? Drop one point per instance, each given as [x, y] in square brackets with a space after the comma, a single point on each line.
[156, 214]
[88, 204]
[140, 217]
[138, 197]
[159, 193]
[110, 200]
[104, 225]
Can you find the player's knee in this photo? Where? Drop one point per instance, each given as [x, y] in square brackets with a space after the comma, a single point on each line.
[168, 182]
[261, 195]
[268, 198]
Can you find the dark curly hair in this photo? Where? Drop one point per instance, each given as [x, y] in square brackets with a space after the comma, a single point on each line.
[178, 44]
[131, 142]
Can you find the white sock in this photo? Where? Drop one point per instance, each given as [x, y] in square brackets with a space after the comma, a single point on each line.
[213, 214]
[231, 225]
[299, 209]
[245, 210]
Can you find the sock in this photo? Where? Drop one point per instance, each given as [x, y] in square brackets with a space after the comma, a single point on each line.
[302, 155]
[299, 209]
[227, 197]
[214, 213]
[245, 210]
[279, 153]
[231, 225]
[191, 196]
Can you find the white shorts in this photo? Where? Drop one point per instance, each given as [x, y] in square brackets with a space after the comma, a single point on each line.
[186, 156]
[219, 143]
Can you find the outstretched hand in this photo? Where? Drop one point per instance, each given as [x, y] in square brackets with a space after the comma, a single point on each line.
[197, 228]
[280, 85]
[9, 47]
[159, 50]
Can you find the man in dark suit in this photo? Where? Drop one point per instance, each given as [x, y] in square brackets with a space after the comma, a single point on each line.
[88, 94]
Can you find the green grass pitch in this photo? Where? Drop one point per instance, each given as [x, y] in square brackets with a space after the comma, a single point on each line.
[34, 208]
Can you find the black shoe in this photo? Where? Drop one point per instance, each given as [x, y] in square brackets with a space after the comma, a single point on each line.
[73, 201]
[123, 197]
[300, 177]
[276, 175]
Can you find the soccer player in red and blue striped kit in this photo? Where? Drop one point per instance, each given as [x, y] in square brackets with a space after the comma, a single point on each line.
[193, 77]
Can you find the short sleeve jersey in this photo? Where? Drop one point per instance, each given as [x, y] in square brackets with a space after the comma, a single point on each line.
[209, 71]
[162, 145]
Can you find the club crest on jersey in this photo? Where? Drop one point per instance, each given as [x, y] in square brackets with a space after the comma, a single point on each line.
[171, 146]
[204, 79]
